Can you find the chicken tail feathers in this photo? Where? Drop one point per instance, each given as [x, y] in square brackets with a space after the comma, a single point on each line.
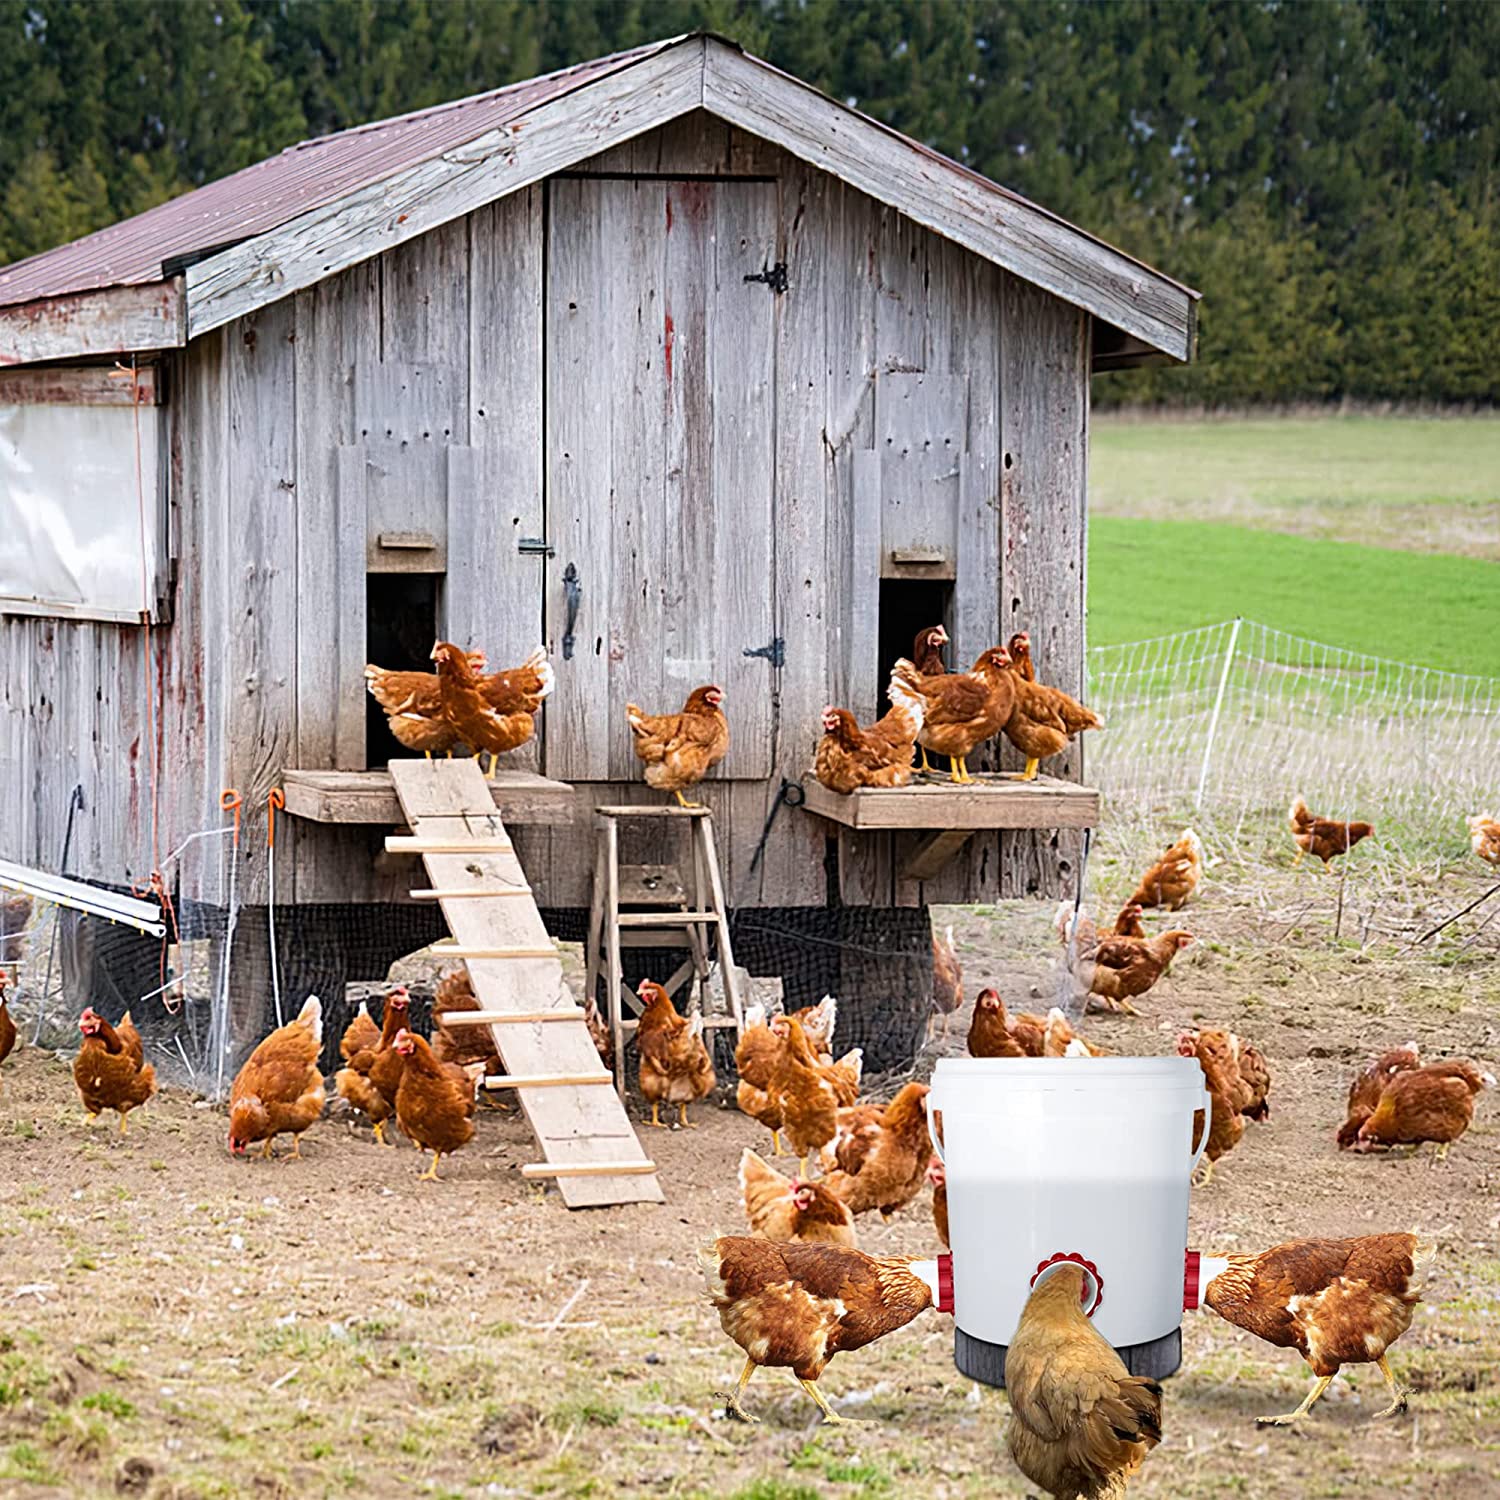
[311, 1016]
[1134, 1415]
[539, 664]
[1298, 815]
[904, 696]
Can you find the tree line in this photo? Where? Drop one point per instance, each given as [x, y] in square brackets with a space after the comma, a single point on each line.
[1325, 171]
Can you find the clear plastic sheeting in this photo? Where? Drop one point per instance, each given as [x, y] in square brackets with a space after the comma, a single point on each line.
[71, 533]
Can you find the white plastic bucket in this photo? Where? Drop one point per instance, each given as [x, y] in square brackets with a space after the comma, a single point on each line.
[1084, 1159]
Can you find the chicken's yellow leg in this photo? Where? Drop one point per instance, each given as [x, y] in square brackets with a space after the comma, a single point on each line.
[732, 1407]
[494, 766]
[1029, 774]
[829, 1414]
[1319, 1386]
[776, 1143]
[1205, 1173]
[266, 1149]
[379, 1128]
[957, 770]
[296, 1148]
[91, 1117]
[683, 802]
[1301, 855]
[122, 1122]
[682, 1118]
[802, 1168]
[1398, 1392]
[926, 764]
[1441, 1154]
[430, 1175]
[656, 1119]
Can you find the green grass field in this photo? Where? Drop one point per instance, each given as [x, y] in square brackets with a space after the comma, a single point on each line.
[1378, 534]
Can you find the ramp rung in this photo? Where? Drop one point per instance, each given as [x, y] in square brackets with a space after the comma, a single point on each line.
[546, 1080]
[471, 894]
[535, 1169]
[666, 918]
[403, 843]
[507, 1018]
[710, 1023]
[456, 950]
[670, 810]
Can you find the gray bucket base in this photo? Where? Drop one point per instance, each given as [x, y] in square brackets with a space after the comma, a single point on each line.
[985, 1362]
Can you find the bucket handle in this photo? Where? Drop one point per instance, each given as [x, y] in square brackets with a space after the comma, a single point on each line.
[934, 1123]
[1207, 1106]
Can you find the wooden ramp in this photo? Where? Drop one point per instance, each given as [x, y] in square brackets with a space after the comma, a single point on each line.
[566, 1094]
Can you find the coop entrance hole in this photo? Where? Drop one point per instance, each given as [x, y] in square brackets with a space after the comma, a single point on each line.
[908, 605]
[401, 616]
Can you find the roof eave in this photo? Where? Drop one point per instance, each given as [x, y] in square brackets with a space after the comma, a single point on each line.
[81, 325]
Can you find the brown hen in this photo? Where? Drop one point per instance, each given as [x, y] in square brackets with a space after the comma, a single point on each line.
[1324, 838]
[1431, 1103]
[679, 750]
[674, 1064]
[110, 1070]
[280, 1088]
[1080, 1423]
[962, 710]
[791, 1306]
[434, 1102]
[780, 1208]
[1336, 1302]
[884, 1164]
[1369, 1085]
[1174, 877]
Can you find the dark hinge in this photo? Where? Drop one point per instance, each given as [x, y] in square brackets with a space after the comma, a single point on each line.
[773, 276]
[774, 652]
[535, 546]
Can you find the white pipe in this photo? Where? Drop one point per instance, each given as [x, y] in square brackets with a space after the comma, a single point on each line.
[144, 916]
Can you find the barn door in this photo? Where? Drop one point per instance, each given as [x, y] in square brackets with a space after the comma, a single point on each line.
[660, 458]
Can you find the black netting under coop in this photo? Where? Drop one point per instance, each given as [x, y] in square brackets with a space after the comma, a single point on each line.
[207, 995]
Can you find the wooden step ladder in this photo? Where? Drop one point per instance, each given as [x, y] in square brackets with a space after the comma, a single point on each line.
[678, 913]
[581, 1126]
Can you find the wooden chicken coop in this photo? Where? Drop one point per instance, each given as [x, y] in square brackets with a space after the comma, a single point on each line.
[668, 361]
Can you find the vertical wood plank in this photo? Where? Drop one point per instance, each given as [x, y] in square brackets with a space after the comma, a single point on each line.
[580, 416]
[493, 593]
[1044, 460]
[862, 664]
[791, 871]
[741, 333]
[261, 712]
[338, 330]
[349, 595]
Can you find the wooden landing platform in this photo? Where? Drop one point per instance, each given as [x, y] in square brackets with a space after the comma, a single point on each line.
[582, 1130]
[992, 802]
[521, 797]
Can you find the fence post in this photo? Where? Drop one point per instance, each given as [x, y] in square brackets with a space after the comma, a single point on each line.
[1213, 723]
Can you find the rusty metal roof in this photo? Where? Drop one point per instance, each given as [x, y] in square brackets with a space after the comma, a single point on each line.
[274, 191]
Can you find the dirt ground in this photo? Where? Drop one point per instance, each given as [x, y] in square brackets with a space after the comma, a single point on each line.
[178, 1324]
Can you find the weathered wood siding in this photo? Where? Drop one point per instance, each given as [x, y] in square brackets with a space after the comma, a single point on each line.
[901, 397]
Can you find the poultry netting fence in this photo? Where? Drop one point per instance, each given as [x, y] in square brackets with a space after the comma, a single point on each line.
[1223, 726]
